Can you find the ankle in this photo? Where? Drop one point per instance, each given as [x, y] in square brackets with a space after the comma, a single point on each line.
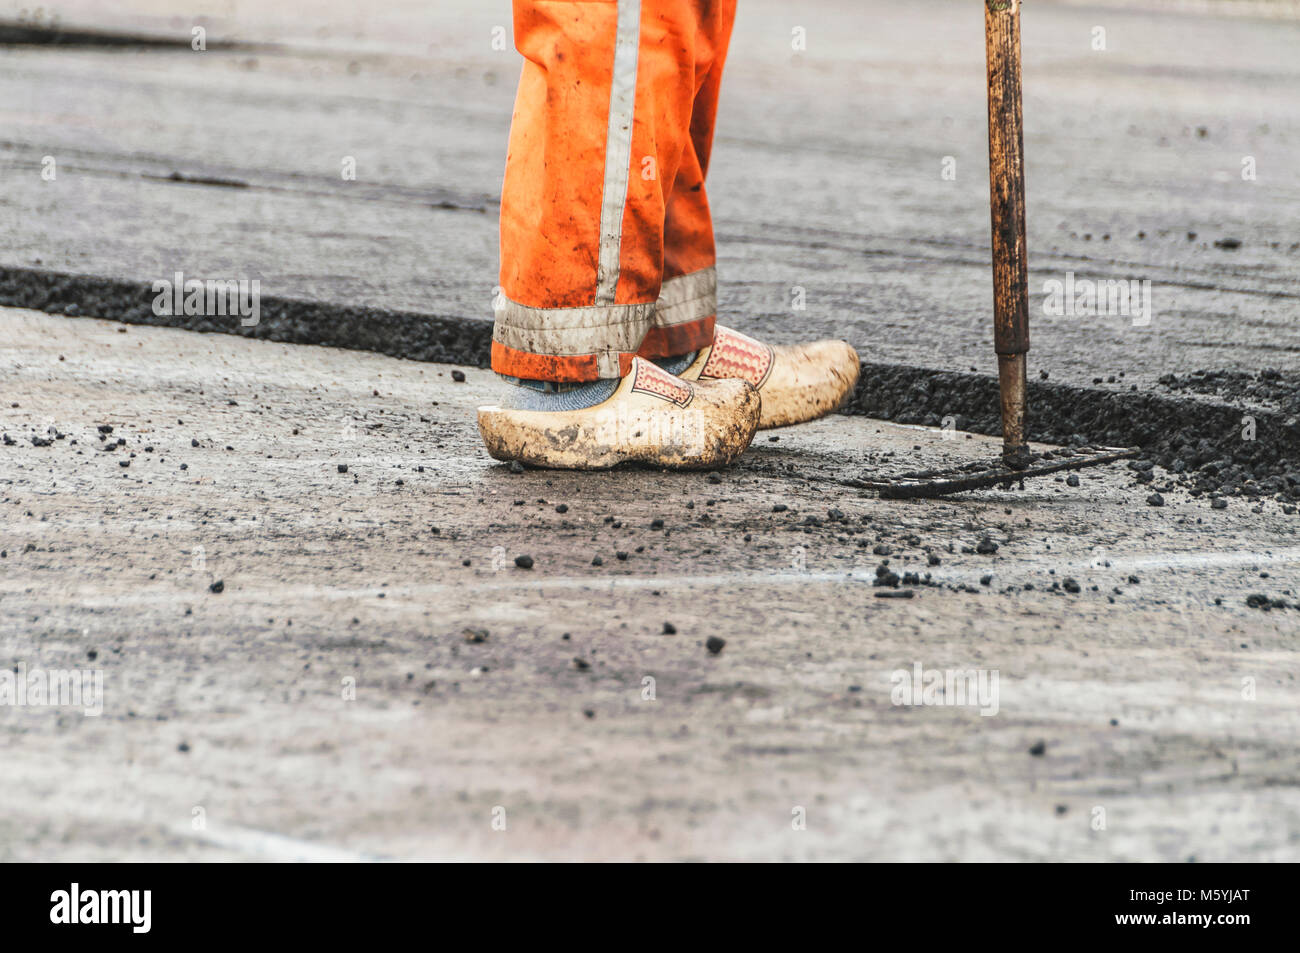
[553, 396]
[675, 365]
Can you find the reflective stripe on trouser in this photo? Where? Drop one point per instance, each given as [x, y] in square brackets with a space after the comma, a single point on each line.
[606, 239]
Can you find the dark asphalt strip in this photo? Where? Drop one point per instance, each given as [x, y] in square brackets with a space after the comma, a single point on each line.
[35, 34]
[1209, 445]
[442, 339]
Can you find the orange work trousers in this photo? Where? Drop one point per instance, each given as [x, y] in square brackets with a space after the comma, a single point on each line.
[606, 239]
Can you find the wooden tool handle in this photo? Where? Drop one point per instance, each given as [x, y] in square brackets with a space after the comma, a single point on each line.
[1007, 208]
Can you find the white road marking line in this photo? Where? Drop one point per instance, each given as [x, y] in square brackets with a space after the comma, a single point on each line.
[1118, 566]
[257, 843]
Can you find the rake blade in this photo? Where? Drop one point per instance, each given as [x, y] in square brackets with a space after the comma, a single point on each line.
[931, 483]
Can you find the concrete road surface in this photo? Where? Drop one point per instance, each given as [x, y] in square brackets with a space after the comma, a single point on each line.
[849, 181]
[307, 618]
[303, 661]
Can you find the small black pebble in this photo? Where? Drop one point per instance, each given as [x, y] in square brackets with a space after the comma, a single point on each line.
[715, 644]
[218, 586]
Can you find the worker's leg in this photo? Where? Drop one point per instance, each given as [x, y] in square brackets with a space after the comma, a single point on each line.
[602, 121]
[600, 128]
[683, 320]
[796, 383]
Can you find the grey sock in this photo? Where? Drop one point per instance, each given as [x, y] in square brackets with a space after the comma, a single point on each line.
[525, 397]
[675, 365]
